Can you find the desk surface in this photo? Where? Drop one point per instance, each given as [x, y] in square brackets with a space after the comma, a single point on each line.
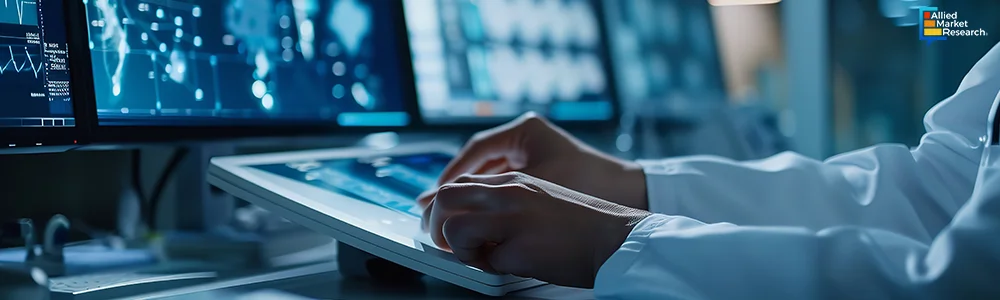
[322, 281]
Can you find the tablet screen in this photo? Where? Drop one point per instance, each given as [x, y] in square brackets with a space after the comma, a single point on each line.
[393, 182]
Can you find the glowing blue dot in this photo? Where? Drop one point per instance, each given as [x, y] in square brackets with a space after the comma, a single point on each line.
[285, 22]
[361, 71]
[196, 11]
[339, 68]
[267, 101]
[214, 60]
[178, 21]
[159, 13]
[159, 105]
[338, 91]
[197, 41]
[258, 89]
[144, 36]
[91, 44]
[179, 32]
[163, 47]
[199, 94]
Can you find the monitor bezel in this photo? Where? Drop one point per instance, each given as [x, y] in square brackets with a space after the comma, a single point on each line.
[105, 134]
[608, 64]
[53, 139]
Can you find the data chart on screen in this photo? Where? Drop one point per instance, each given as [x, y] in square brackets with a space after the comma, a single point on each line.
[487, 60]
[34, 66]
[245, 62]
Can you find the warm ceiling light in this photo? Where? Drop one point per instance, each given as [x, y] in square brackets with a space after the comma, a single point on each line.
[741, 2]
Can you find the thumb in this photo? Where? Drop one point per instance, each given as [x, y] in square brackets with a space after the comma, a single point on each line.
[512, 257]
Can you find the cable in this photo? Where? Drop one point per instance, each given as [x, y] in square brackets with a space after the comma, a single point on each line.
[151, 203]
[154, 198]
[137, 180]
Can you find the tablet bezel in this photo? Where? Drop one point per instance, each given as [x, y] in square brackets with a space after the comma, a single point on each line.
[287, 197]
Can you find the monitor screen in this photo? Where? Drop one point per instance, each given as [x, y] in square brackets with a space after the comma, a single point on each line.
[246, 62]
[483, 61]
[34, 68]
[666, 56]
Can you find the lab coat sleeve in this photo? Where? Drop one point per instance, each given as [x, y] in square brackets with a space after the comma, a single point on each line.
[914, 192]
[668, 257]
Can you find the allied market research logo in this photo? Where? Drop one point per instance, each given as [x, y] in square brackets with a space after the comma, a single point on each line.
[940, 25]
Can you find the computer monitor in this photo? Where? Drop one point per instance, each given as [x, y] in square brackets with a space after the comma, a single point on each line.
[666, 57]
[37, 108]
[489, 61]
[250, 66]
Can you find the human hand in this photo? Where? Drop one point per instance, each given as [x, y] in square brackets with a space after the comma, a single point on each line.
[533, 146]
[517, 224]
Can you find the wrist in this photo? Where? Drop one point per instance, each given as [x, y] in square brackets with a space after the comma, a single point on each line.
[614, 234]
[633, 182]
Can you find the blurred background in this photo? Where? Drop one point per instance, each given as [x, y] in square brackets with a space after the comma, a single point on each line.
[845, 74]
[743, 79]
[826, 76]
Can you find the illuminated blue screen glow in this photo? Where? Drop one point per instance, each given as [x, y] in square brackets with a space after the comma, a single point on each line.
[34, 72]
[486, 61]
[245, 62]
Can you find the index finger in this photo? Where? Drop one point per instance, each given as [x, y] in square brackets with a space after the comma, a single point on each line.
[488, 177]
[493, 144]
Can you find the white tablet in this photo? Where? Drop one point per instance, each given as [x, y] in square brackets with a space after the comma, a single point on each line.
[362, 197]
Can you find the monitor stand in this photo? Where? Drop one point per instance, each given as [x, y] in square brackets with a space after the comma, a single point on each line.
[198, 206]
[194, 218]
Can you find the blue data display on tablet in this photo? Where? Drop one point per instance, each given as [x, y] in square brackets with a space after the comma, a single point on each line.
[393, 182]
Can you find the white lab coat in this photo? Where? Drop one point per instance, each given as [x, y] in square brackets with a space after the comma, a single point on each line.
[885, 222]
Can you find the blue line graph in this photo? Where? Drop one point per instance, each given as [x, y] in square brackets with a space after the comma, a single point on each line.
[19, 12]
[18, 61]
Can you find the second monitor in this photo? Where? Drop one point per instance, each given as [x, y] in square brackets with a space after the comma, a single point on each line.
[246, 62]
[488, 61]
